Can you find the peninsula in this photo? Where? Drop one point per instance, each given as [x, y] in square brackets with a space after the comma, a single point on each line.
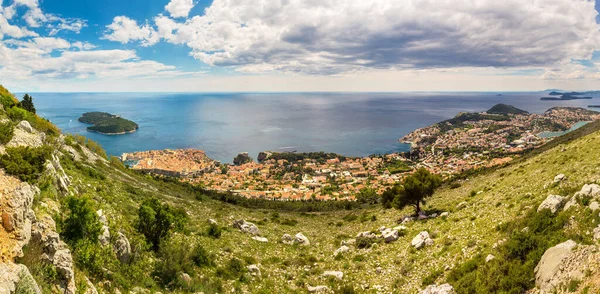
[108, 124]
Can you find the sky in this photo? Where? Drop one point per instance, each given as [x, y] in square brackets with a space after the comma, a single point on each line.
[299, 45]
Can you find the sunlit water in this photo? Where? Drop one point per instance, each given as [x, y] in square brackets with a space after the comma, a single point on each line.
[356, 124]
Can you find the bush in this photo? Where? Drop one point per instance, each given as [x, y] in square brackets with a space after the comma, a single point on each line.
[6, 132]
[201, 257]
[89, 255]
[214, 231]
[25, 162]
[235, 269]
[17, 114]
[82, 222]
[156, 221]
[176, 255]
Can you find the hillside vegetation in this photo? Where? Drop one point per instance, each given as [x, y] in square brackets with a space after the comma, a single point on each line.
[107, 123]
[185, 240]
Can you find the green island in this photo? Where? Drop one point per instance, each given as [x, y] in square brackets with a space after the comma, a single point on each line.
[108, 124]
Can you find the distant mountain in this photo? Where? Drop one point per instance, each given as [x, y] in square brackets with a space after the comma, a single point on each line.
[505, 109]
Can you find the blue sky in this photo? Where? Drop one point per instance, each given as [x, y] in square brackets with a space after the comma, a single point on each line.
[294, 45]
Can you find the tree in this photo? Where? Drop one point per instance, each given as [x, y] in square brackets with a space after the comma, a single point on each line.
[156, 221]
[82, 222]
[27, 103]
[415, 188]
[367, 196]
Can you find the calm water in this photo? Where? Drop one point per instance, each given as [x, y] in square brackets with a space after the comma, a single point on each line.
[223, 125]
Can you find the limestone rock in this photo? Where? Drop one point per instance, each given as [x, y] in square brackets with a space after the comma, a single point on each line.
[212, 221]
[300, 239]
[122, 248]
[337, 274]
[441, 289]
[17, 214]
[591, 191]
[185, 278]
[246, 227]
[287, 239]
[30, 138]
[594, 205]
[254, 270]
[421, 240]
[559, 178]
[553, 203]
[342, 249]
[550, 271]
[12, 274]
[445, 214]
[597, 233]
[91, 289]
[104, 237]
[260, 239]
[390, 235]
[25, 126]
[489, 258]
[317, 289]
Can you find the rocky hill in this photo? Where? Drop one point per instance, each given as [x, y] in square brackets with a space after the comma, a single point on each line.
[74, 221]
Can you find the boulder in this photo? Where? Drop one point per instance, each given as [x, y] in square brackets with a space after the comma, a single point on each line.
[462, 205]
[421, 240]
[25, 126]
[300, 239]
[246, 227]
[594, 205]
[263, 155]
[444, 214]
[337, 274]
[489, 258]
[317, 289]
[367, 235]
[185, 278]
[553, 203]
[260, 239]
[559, 178]
[441, 289]
[17, 214]
[340, 250]
[591, 191]
[287, 239]
[549, 271]
[390, 236]
[254, 270]
[212, 221]
[122, 248]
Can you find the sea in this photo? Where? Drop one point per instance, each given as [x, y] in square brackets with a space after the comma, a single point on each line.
[225, 124]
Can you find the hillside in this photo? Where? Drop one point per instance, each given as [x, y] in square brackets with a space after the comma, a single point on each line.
[207, 250]
[505, 109]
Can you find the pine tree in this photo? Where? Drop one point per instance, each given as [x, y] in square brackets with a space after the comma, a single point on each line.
[27, 103]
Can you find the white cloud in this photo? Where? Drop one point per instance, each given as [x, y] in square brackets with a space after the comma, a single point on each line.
[124, 30]
[179, 8]
[6, 29]
[341, 36]
[83, 45]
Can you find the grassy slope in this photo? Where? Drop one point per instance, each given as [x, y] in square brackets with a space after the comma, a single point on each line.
[507, 192]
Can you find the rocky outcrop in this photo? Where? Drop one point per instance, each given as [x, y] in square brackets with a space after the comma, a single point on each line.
[263, 155]
[562, 263]
[421, 240]
[589, 190]
[242, 158]
[390, 235]
[253, 270]
[91, 289]
[246, 227]
[122, 248]
[553, 203]
[104, 237]
[25, 135]
[16, 200]
[260, 239]
[56, 171]
[441, 289]
[17, 276]
[342, 249]
[559, 178]
[317, 289]
[56, 252]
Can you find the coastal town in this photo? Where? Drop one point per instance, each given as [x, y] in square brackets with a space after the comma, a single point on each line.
[468, 141]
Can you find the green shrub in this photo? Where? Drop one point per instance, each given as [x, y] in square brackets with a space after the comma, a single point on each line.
[91, 256]
[17, 114]
[25, 162]
[214, 231]
[201, 257]
[82, 221]
[234, 269]
[176, 255]
[157, 220]
[6, 132]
